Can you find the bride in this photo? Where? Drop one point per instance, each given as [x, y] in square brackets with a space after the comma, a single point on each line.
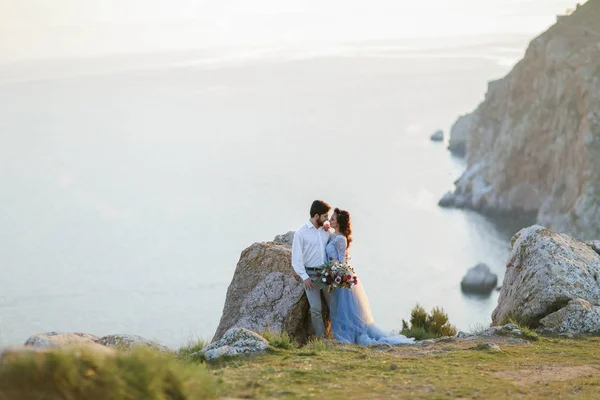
[350, 312]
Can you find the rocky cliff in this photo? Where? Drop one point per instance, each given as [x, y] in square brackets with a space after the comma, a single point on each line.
[533, 144]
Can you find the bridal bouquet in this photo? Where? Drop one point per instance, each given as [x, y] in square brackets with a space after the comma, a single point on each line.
[336, 274]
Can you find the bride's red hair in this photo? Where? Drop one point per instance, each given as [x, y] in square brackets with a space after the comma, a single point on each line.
[343, 219]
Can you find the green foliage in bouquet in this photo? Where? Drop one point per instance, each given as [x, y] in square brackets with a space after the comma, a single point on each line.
[427, 326]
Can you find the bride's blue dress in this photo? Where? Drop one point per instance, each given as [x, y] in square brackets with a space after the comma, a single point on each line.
[350, 312]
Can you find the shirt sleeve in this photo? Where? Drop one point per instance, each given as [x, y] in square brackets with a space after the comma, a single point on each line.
[298, 256]
[340, 248]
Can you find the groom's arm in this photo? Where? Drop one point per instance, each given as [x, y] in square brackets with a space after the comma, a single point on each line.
[298, 256]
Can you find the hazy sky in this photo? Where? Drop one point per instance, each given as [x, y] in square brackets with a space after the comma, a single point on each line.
[41, 28]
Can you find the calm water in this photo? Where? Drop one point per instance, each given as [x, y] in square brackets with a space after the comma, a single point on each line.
[131, 185]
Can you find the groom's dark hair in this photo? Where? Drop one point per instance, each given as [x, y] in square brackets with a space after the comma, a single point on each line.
[319, 207]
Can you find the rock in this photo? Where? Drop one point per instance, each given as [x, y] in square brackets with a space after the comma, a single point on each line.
[463, 335]
[393, 366]
[236, 341]
[509, 327]
[544, 272]
[447, 200]
[56, 339]
[459, 134]
[492, 330]
[286, 239]
[493, 347]
[121, 342]
[438, 136]
[488, 347]
[566, 335]
[128, 342]
[517, 332]
[533, 146]
[18, 351]
[479, 279]
[53, 340]
[265, 293]
[594, 245]
[579, 316]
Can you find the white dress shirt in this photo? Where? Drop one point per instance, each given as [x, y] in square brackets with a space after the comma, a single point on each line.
[308, 248]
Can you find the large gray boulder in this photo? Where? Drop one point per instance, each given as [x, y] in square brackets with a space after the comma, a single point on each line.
[544, 272]
[235, 342]
[479, 279]
[579, 316]
[265, 292]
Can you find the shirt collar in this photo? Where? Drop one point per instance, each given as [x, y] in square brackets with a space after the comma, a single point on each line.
[309, 225]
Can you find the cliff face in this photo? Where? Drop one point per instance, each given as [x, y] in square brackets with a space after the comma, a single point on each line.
[534, 142]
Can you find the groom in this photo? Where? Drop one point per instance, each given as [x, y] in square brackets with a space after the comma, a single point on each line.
[308, 254]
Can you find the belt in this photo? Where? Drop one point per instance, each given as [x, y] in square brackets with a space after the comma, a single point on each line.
[314, 269]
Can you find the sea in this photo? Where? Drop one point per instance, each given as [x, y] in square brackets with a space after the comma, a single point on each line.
[131, 182]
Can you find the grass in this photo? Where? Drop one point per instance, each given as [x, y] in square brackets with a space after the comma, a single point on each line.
[527, 333]
[549, 367]
[191, 350]
[86, 374]
[280, 340]
[452, 368]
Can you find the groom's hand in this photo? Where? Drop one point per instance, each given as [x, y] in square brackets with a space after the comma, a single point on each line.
[308, 284]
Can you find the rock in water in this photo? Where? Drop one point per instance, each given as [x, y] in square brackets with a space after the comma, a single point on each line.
[265, 292]
[544, 272]
[459, 134]
[479, 279]
[236, 341]
[438, 136]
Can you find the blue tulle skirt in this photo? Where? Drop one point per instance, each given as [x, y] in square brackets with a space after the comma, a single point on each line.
[352, 321]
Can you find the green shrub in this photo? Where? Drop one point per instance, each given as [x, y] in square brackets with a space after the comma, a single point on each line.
[427, 326]
[419, 334]
[437, 322]
[92, 375]
[418, 317]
